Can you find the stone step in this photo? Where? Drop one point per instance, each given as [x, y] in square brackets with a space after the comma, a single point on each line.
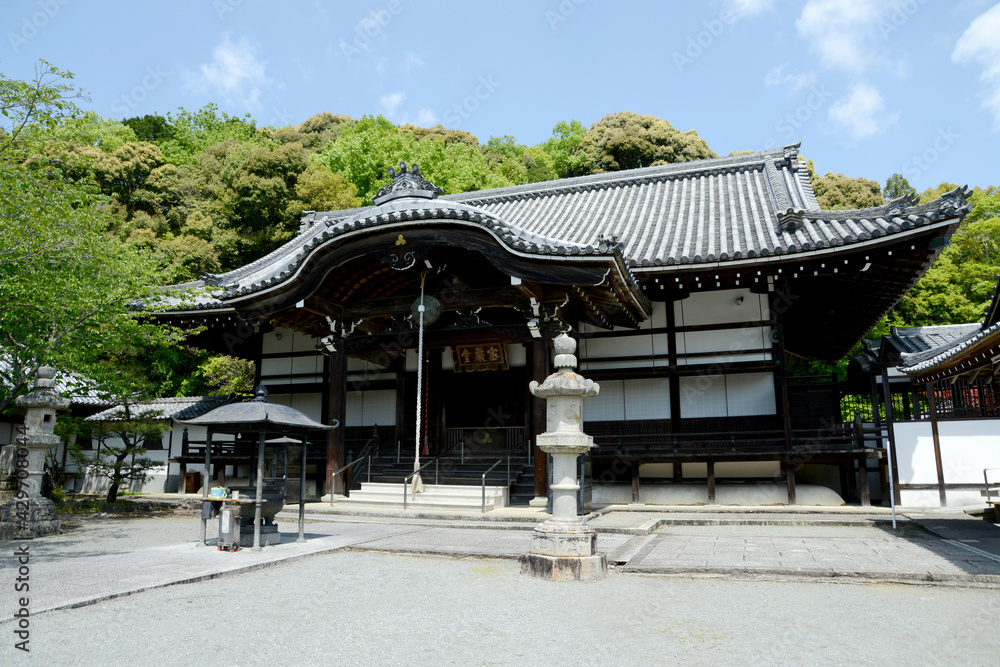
[442, 497]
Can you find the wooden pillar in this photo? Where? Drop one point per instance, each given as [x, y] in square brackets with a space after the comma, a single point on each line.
[710, 479]
[932, 406]
[866, 497]
[539, 371]
[788, 472]
[678, 471]
[433, 393]
[400, 437]
[635, 483]
[337, 409]
[893, 467]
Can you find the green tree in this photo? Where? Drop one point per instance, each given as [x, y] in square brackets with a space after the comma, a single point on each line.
[836, 192]
[897, 186]
[151, 127]
[626, 140]
[120, 455]
[69, 291]
[959, 286]
[363, 153]
[567, 151]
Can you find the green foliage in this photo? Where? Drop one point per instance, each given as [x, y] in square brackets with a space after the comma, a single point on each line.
[959, 286]
[223, 374]
[836, 192]
[566, 149]
[151, 127]
[439, 132]
[120, 454]
[628, 141]
[68, 289]
[897, 186]
[193, 132]
[319, 189]
[362, 153]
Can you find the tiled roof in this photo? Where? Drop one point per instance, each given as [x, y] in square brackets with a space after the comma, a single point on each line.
[921, 362]
[184, 407]
[912, 340]
[656, 218]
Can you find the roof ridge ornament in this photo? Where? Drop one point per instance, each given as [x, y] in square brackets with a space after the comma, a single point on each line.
[406, 183]
[900, 204]
[790, 219]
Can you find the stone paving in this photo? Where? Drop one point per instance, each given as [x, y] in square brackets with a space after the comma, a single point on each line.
[105, 558]
[861, 552]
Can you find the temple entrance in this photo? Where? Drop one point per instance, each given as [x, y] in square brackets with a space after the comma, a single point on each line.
[484, 412]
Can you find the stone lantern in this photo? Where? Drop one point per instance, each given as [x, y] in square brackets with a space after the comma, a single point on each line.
[28, 514]
[564, 547]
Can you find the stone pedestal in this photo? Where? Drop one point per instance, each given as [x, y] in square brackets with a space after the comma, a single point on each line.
[564, 548]
[28, 514]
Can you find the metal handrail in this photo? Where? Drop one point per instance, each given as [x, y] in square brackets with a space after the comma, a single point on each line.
[365, 455]
[406, 480]
[491, 470]
[986, 482]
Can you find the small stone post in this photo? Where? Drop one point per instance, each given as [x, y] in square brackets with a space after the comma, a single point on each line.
[564, 547]
[28, 514]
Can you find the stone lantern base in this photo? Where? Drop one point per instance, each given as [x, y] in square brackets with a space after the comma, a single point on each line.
[38, 519]
[564, 551]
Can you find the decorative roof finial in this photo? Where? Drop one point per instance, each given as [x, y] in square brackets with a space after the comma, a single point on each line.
[260, 393]
[406, 184]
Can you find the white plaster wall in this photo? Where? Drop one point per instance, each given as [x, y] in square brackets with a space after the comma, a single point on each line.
[720, 307]
[516, 355]
[733, 395]
[367, 408]
[310, 404]
[967, 447]
[629, 399]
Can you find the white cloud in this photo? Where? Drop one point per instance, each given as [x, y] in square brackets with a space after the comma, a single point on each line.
[741, 8]
[848, 34]
[390, 103]
[426, 118]
[778, 76]
[862, 112]
[981, 43]
[234, 73]
[410, 62]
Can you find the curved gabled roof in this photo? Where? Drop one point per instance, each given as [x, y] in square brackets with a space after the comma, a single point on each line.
[662, 218]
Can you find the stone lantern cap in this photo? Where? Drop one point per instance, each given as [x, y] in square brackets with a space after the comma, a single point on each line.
[44, 395]
[564, 382]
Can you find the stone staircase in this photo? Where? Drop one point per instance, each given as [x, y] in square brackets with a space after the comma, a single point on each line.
[455, 483]
[441, 497]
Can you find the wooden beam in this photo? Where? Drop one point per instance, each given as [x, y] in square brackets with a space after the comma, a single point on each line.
[337, 410]
[866, 496]
[932, 406]
[789, 473]
[539, 371]
[710, 479]
[635, 482]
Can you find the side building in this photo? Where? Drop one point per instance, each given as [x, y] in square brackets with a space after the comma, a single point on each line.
[688, 287]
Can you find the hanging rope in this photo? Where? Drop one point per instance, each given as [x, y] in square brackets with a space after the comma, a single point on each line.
[420, 374]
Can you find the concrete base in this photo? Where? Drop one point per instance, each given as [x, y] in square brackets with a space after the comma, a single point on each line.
[28, 518]
[269, 535]
[565, 568]
[538, 501]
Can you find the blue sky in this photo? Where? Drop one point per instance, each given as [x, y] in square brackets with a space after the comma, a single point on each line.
[870, 87]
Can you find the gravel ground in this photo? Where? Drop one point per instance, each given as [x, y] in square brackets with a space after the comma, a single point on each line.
[374, 608]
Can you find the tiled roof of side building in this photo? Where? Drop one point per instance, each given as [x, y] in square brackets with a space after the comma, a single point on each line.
[912, 340]
[677, 215]
[183, 407]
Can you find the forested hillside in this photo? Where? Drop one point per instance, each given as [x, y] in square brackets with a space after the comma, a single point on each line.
[191, 192]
